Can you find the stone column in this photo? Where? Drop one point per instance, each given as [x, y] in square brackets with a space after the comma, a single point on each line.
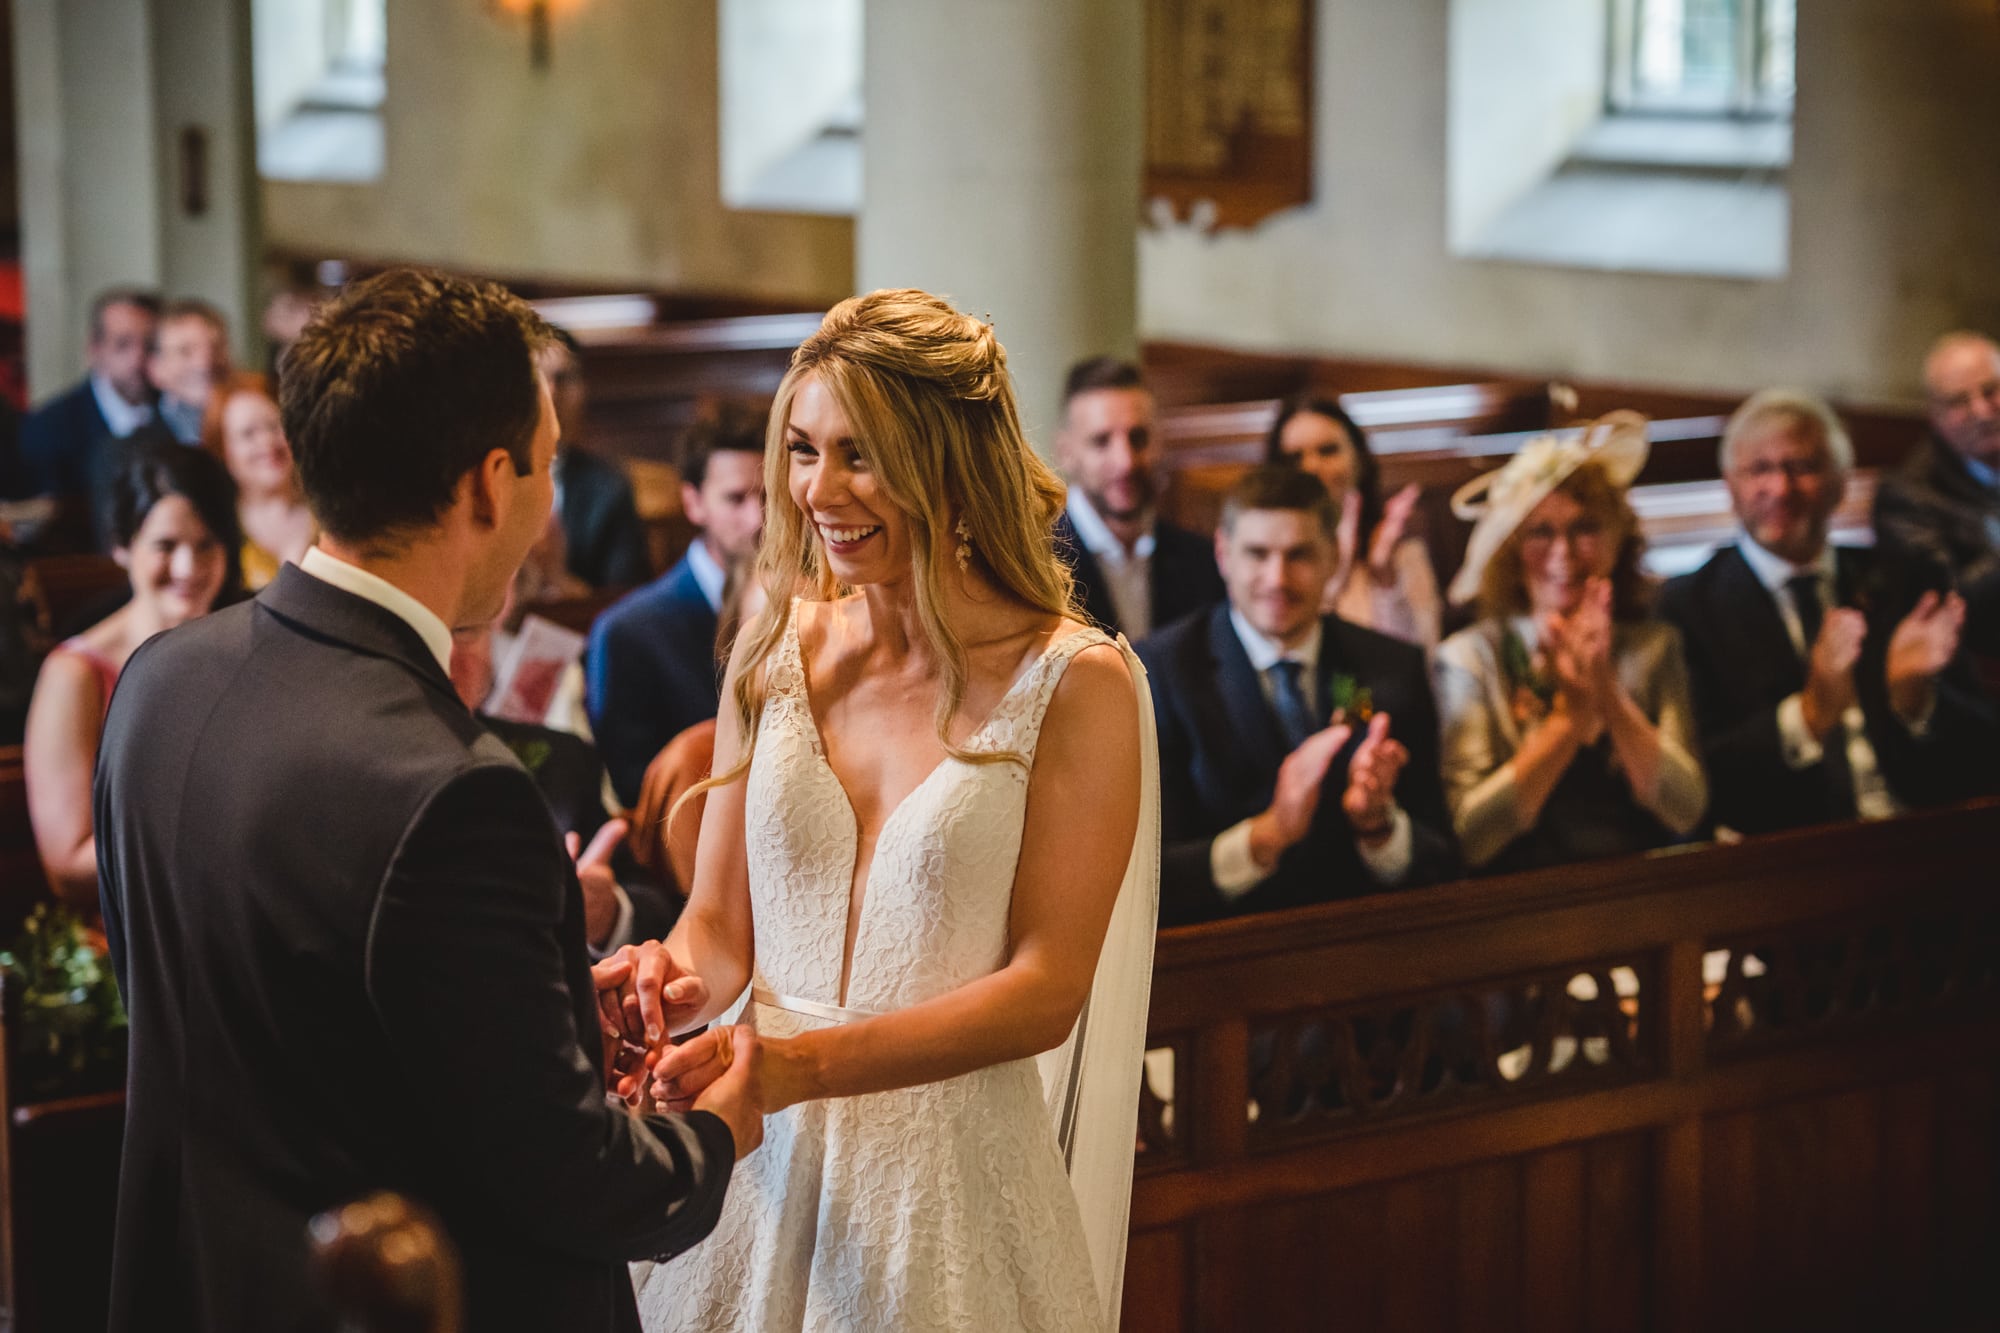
[1001, 160]
[106, 91]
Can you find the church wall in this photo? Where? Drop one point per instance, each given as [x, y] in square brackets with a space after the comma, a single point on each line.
[601, 169]
[1894, 208]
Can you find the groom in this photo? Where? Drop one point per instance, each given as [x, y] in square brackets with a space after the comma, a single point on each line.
[342, 918]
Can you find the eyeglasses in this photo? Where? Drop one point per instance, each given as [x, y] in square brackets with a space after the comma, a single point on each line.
[1541, 536]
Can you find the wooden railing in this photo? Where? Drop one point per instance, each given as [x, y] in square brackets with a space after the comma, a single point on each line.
[1736, 1087]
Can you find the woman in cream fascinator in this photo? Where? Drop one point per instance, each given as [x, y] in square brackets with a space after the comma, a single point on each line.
[1567, 730]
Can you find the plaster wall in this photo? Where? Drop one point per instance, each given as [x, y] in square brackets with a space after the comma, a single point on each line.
[1894, 201]
[602, 168]
[1527, 77]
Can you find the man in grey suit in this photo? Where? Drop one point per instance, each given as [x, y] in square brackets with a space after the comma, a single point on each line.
[348, 935]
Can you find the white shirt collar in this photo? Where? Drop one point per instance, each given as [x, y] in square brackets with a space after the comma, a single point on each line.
[1774, 571]
[1265, 653]
[709, 576]
[374, 588]
[1097, 538]
[121, 416]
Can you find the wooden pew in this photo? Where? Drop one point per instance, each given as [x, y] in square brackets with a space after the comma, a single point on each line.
[22, 883]
[647, 384]
[58, 1193]
[1746, 1087]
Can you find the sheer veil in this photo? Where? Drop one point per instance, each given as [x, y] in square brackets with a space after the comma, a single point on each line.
[1092, 1080]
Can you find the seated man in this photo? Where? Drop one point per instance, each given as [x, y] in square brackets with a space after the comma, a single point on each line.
[1298, 752]
[60, 439]
[189, 357]
[1134, 572]
[620, 904]
[1809, 711]
[603, 537]
[1937, 518]
[652, 670]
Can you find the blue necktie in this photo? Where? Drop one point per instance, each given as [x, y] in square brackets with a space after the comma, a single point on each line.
[1288, 697]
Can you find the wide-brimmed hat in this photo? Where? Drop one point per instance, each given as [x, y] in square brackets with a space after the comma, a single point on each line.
[1500, 499]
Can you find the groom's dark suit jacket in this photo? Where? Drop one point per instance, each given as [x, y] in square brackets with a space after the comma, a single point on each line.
[352, 948]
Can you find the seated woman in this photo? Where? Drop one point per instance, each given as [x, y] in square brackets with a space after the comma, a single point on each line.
[243, 429]
[1384, 579]
[1568, 732]
[173, 515]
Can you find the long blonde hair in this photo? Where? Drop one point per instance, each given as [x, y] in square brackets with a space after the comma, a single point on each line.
[926, 392]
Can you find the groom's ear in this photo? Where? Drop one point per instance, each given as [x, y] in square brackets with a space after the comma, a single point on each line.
[484, 486]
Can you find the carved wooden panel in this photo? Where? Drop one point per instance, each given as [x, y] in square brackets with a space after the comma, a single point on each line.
[1162, 1132]
[1832, 979]
[1229, 107]
[1320, 1072]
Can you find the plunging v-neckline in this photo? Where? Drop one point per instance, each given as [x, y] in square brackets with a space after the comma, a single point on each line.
[818, 746]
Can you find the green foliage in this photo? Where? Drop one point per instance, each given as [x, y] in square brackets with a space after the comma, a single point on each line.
[72, 1027]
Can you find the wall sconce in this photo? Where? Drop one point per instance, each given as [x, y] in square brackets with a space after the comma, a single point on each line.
[541, 15]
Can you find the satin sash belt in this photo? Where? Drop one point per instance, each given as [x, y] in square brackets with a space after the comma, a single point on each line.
[833, 1013]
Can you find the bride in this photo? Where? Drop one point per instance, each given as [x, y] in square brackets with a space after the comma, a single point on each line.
[931, 854]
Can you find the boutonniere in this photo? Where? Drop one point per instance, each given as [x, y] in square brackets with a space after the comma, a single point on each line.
[1351, 698]
[1534, 687]
[532, 751]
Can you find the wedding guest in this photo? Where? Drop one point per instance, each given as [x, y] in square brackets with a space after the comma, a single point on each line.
[1383, 579]
[1937, 518]
[1568, 732]
[1134, 571]
[243, 429]
[60, 438]
[620, 905]
[188, 358]
[1810, 713]
[603, 537]
[176, 533]
[1298, 752]
[651, 668]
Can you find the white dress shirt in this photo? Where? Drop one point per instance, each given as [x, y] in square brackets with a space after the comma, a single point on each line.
[1230, 863]
[121, 416]
[1128, 575]
[709, 575]
[1802, 749]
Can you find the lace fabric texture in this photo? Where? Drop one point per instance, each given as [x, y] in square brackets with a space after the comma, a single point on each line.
[943, 1206]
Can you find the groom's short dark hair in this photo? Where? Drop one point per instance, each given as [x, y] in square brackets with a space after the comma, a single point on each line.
[398, 388]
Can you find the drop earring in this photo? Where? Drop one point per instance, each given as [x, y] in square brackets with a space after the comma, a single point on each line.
[964, 552]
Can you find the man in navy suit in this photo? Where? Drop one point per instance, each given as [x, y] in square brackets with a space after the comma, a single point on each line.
[1134, 572]
[61, 439]
[652, 670]
[1298, 752]
[604, 540]
[1818, 697]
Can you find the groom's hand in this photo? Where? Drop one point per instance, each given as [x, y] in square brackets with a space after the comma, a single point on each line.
[719, 1071]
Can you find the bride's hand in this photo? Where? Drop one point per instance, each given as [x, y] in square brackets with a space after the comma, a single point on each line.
[643, 995]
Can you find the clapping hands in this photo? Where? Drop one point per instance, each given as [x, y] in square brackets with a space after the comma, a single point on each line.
[1924, 643]
[1577, 646]
[1370, 799]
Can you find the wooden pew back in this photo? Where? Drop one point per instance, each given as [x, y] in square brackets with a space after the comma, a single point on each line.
[1741, 1087]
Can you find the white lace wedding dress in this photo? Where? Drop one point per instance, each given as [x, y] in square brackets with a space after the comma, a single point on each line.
[944, 1206]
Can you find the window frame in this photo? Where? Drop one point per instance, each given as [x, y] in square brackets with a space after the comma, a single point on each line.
[1746, 99]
